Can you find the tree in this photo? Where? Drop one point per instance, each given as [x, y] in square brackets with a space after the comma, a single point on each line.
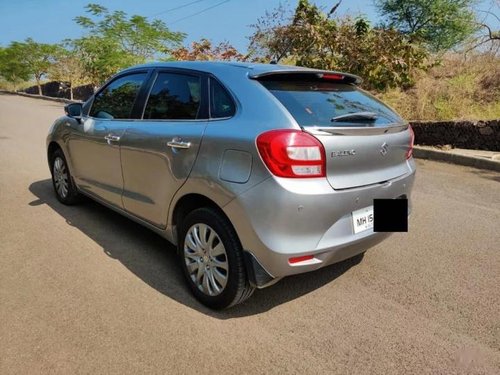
[100, 58]
[488, 34]
[68, 69]
[37, 57]
[273, 35]
[441, 24]
[22, 60]
[203, 50]
[309, 37]
[13, 69]
[115, 41]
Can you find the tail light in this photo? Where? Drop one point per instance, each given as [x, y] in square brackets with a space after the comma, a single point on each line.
[292, 153]
[409, 153]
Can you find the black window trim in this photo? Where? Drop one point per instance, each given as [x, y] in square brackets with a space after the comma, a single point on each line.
[135, 107]
[203, 112]
[230, 94]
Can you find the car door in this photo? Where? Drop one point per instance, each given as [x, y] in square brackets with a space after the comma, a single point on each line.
[158, 153]
[94, 143]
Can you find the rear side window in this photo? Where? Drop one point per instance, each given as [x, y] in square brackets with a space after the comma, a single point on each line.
[315, 103]
[174, 97]
[116, 100]
[221, 103]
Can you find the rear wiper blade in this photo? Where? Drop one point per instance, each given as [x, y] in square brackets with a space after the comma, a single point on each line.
[356, 116]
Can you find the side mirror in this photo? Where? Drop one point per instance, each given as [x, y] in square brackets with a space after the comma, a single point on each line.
[74, 110]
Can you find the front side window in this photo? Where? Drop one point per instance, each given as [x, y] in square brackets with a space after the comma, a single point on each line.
[174, 97]
[117, 99]
[221, 104]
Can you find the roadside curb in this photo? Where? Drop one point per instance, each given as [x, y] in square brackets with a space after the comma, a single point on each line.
[469, 161]
[43, 97]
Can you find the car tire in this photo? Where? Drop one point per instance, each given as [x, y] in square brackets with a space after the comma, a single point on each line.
[62, 181]
[212, 259]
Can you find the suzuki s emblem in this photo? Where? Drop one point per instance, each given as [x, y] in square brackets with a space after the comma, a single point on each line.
[384, 149]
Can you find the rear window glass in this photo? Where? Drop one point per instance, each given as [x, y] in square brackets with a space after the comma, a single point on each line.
[315, 103]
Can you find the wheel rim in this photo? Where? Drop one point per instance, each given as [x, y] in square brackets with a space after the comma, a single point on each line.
[61, 177]
[206, 259]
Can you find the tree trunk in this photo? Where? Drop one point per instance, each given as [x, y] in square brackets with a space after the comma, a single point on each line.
[39, 86]
[71, 92]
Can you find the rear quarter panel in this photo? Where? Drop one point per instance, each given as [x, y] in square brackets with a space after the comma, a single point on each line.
[257, 111]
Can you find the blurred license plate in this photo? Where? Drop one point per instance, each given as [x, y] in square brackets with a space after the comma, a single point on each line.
[362, 219]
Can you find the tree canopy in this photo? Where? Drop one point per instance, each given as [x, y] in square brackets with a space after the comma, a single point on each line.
[68, 69]
[204, 50]
[12, 67]
[134, 35]
[386, 55]
[21, 60]
[309, 37]
[115, 41]
[441, 24]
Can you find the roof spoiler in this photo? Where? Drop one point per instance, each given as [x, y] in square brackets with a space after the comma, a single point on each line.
[297, 74]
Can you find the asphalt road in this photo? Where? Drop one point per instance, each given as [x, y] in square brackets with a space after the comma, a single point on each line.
[83, 290]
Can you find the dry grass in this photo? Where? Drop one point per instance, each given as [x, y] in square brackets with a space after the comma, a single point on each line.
[455, 89]
[4, 85]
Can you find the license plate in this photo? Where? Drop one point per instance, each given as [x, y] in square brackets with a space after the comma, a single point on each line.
[362, 219]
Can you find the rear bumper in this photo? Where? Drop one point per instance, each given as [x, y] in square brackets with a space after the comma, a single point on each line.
[283, 218]
[260, 277]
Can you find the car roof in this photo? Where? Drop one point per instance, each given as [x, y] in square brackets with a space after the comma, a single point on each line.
[253, 70]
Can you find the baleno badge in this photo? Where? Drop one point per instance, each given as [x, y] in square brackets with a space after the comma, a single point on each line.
[334, 154]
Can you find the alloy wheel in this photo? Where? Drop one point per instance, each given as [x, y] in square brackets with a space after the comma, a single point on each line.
[206, 259]
[61, 177]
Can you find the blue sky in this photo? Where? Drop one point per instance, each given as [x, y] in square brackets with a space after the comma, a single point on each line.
[51, 21]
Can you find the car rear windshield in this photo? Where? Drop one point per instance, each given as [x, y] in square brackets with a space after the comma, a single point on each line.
[316, 103]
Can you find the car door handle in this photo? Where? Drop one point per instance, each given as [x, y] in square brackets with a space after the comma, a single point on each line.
[178, 143]
[111, 138]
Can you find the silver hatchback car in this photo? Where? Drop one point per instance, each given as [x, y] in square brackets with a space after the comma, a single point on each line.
[254, 171]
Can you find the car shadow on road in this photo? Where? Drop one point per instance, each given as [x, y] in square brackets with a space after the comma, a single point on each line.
[153, 259]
